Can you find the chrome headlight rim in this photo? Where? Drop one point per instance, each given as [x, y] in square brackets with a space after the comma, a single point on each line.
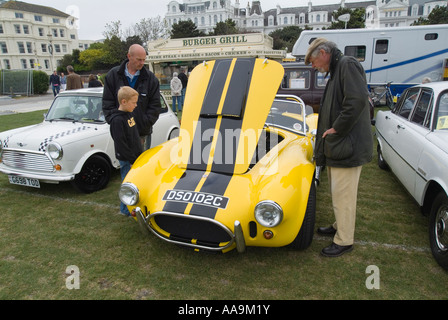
[55, 151]
[269, 219]
[129, 194]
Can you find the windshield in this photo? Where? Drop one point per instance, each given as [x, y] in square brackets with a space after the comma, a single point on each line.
[76, 108]
[442, 114]
[288, 114]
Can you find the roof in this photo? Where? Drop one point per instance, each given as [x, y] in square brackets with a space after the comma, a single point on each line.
[33, 8]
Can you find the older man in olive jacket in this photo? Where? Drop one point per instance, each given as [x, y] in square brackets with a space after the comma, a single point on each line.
[344, 137]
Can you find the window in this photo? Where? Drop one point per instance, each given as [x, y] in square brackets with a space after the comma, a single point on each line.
[57, 48]
[47, 64]
[7, 64]
[17, 28]
[41, 32]
[442, 112]
[431, 36]
[407, 102]
[38, 18]
[44, 47]
[21, 47]
[382, 46]
[56, 20]
[19, 15]
[26, 29]
[62, 33]
[24, 63]
[29, 47]
[32, 63]
[1, 28]
[3, 47]
[54, 32]
[359, 52]
[296, 79]
[423, 110]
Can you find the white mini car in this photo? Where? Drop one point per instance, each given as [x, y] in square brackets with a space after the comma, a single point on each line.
[73, 143]
[413, 143]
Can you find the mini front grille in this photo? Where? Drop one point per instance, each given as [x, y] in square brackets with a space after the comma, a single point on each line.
[24, 160]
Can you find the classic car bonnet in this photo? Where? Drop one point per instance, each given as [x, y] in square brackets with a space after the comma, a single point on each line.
[227, 103]
[37, 137]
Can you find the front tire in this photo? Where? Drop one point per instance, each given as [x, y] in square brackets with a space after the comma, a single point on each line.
[94, 175]
[381, 162]
[438, 229]
[305, 236]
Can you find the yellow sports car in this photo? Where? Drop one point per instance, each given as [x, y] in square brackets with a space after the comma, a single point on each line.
[242, 171]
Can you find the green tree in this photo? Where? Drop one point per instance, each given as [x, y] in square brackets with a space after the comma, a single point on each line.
[286, 37]
[185, 29]
[357, 18]
[226, 27]
[439, 15]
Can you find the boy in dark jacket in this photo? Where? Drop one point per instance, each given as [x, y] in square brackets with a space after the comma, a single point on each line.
[124, 132]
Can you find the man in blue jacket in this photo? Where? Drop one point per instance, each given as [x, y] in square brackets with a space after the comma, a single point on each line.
[344, 141]
[133, 73]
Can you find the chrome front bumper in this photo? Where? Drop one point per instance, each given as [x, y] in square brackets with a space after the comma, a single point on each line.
[235, 238]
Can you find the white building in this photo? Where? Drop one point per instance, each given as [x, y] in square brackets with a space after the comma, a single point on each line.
[35, 37]
[252, 18]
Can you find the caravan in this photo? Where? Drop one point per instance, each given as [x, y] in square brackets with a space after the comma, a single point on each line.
[403, 56]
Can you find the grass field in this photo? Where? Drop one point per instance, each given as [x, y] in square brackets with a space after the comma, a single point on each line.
[43, 232]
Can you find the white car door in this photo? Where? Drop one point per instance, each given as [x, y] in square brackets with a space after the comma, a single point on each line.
[411, 133]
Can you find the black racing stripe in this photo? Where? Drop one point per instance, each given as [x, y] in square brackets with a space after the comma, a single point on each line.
[215, 87]
[215, 184]
[188, 182]
[235, 102]
[202, 141]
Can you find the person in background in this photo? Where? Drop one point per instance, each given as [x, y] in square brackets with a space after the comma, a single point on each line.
[184, 79]
[63, 82]
[176, 92]
[133, 73]
[74, 80]
[94, 82]
[55, 83]
[124, 132]
[344, 140]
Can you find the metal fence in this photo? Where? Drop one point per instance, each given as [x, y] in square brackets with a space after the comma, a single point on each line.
[16, 82]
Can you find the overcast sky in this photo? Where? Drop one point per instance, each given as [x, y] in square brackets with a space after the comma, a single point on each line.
[94, 15]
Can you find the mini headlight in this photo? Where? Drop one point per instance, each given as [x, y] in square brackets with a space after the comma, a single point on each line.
[54, 149]
[128, 194]
[268, 214]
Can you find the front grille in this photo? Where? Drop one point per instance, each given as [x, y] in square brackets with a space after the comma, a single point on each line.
[186, 228]
[24, 160]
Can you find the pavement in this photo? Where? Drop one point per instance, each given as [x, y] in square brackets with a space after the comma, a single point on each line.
[22, 104]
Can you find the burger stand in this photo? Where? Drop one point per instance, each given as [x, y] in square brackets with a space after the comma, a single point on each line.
[167, 56]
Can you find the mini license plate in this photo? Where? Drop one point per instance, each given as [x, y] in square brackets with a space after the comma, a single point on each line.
[28, 182]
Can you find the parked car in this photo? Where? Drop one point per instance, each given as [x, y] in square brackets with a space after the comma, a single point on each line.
[73, 143]
[308, 84]
[413, 143]
[304, 82]
[242, 171]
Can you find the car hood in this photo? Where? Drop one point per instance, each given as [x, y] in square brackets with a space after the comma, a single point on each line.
[440, 139]
[37, 137]
[227, 103]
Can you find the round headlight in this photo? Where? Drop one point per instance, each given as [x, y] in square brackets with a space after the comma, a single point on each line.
[54, 150]
[268, 214]
[128, 194]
